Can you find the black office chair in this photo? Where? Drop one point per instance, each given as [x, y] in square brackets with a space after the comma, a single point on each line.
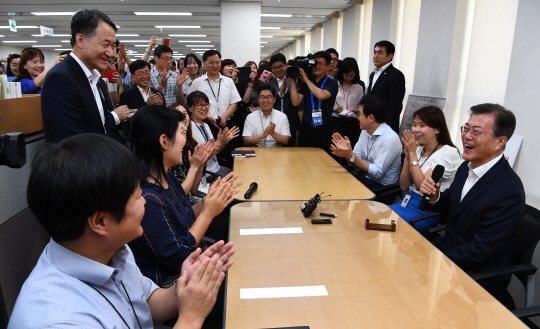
[525, 240]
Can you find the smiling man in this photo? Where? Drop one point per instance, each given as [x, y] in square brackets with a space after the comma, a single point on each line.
[74, 98]
[486, 200]
[143, 95]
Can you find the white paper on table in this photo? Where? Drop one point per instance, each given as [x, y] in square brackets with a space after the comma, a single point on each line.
[283, 292]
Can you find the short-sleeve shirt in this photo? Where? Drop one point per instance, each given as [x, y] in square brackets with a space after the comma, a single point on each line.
[221, 93]
[59, 293]
[327, 106]
[256, 122]
[447, 156]
[171, 90]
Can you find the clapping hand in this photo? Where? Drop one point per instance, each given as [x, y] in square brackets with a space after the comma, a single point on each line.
[226, 135]
[200, 155]
[222, 250]
[154, 99]
[220, 194]
[409, 142]
[270, 129]
[163, 78]
[341, 146]
[182, 77]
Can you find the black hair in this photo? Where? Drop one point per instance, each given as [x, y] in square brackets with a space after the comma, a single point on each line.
[505, 120]
[78, 177]
[152, 61]
[181, 60]
[195, 58]
[28, 54]
[209, 53]
[137, 65]
[162, 49]
[332, 51]
[10, 58]
[173, 64]
[433, 117]
[266, 86]
[325, 55]
[374, 105]
[279, 57]
[390, 49]
[195, 97]
[65, 52]
[86, 22]
[147, 125]
[226, 62]
[346, 67]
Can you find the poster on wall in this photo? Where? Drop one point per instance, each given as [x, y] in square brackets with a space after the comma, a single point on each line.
[415, 102]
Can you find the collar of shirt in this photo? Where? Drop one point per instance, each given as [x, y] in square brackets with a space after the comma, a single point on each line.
[93, 75]
[144, 93]
[382, 68]
[380, 130]
[205, 77]
[83, 268]
[483, 169]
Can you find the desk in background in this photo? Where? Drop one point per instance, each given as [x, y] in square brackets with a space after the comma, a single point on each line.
[373, 279]
[296, 173]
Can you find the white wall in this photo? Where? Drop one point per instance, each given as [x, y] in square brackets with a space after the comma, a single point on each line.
[247, 48]
[327, 35]
[349, 45]
[380, 24]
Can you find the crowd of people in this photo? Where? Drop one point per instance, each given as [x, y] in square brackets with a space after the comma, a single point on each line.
[130, 229]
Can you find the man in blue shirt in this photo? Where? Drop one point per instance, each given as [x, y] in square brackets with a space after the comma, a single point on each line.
[319, 97]
[85, 192]
[378, 150]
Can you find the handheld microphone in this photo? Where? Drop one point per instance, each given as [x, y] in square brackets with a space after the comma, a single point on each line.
[436, 175]
[252, 188]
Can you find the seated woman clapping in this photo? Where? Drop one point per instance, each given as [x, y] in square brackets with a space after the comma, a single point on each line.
[427, 145]
[173, 228]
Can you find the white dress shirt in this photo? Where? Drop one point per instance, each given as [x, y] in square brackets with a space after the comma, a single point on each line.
[144, 94]
[93, 79]
[477, 173]
[221, 93]
[256, 122]
[202, 134]
[378, 73]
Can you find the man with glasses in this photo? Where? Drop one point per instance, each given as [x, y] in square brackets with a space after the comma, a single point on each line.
[282, 86]
[332, 73]
[136, 98]
[164, 80]
[319, 97]
[266, 127]
[486, 200]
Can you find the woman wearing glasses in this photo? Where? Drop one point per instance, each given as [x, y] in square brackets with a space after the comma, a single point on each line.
[427, 145]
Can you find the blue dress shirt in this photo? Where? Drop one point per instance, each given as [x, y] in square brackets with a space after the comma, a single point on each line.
[55, 296]
[28, 87]
[382, 150]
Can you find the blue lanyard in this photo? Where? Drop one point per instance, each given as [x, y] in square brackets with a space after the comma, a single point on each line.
[312, 101]
[203, 131]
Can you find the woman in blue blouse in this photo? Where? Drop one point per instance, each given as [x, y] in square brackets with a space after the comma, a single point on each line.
[173, 228]
[32, 70]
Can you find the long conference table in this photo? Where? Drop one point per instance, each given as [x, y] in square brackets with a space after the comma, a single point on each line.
[290, 273]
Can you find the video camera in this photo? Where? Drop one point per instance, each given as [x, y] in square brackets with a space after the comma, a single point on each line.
[12, 150]
[310, 205]
[304, 62]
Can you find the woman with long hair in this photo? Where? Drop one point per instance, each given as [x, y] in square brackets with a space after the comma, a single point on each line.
[31, 71]
[427, 145]
[173, 228]
[12, 65]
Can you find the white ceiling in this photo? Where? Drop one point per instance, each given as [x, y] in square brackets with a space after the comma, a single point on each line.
[206, 13]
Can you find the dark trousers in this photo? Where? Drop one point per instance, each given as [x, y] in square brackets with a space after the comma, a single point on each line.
[315, 136]
[372, 185]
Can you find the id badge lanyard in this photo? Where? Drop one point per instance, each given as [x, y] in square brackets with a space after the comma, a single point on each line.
[203, 131]
[316, 114]
[216, 97]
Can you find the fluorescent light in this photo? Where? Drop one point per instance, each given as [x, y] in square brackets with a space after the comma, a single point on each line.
[22, 27]
[161, 13]
[175, 27]
[65, 41]
[127, 35]
[140, 45]
[124, 41]
[275, 15]
[19, 41]
[267, 36]
[117, 26]
[264, 41]
[54, 35]
[1, 36]
[262, 46]
[63, 49]
[199, 52]
[46, 46]
[54, 13]
[188, 35]
[188, 41]
[201, 49]
[199, 46]
[270, 28]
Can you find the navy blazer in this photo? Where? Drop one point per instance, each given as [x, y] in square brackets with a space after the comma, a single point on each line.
[68, 105]
[390, 85]
[288, 108]
[480, 228]
[133, 98]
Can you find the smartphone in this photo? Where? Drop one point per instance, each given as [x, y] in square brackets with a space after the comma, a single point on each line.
[243, 74]
[264, 76]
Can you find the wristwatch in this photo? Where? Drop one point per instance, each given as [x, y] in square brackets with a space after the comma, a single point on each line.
[414, 163]
[352, 158]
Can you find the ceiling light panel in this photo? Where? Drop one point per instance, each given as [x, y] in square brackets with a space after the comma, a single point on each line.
[175, 27]
[161, 13]
[54, 13]
[188, 35]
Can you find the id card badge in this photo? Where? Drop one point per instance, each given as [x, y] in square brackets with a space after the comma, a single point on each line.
[316, 117]
[406, 200]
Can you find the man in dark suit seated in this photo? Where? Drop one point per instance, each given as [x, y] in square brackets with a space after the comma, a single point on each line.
[486, 201]
[74, 98]
[135, 98]
[387, 82]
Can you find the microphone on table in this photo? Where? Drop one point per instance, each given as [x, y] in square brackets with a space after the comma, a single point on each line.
[252, 188]
[436, 175]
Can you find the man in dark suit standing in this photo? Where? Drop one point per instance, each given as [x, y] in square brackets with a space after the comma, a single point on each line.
[282, 85]
[143, 94]
[486, 201]
[387, 82]
[74, 98]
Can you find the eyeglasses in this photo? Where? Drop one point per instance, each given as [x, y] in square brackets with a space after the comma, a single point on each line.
[201, 106]
[166, 59]
[278, 67]
[334, 59]
[474, 133]
[141, 74]
[266, 97]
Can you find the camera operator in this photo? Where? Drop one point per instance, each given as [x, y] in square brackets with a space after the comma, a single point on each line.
[320, 96]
